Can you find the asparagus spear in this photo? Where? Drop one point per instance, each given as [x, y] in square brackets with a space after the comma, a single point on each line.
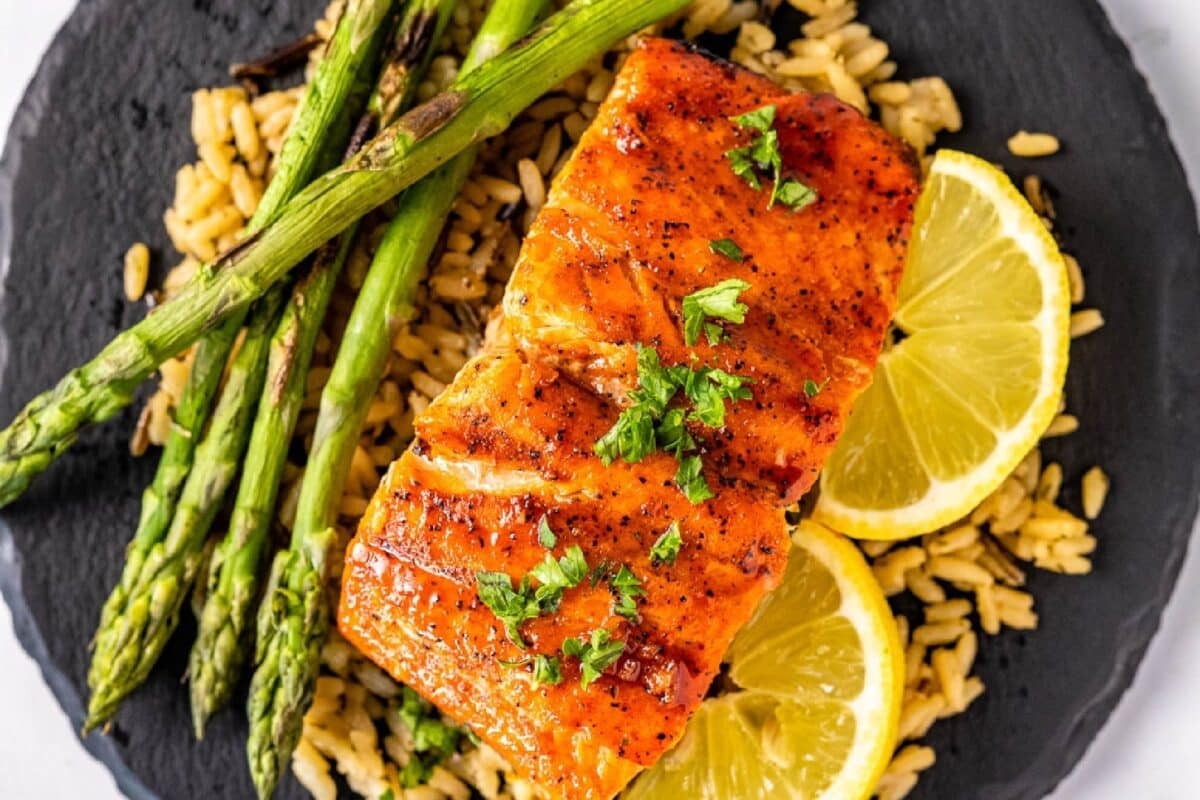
[123, 654]
[321, 124]
[143, 608]
[476, 107]
[218, 652]
[293, 619]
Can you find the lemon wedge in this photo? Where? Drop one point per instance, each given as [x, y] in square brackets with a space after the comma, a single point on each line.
[819, 678]
[976, 370]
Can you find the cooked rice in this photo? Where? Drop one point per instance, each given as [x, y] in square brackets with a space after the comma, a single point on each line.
[1024, 144]
[968, 574]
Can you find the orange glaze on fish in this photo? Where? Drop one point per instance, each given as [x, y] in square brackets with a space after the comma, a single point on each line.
[623, 238]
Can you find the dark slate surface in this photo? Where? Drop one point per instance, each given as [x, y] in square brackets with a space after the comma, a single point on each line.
[86, 171]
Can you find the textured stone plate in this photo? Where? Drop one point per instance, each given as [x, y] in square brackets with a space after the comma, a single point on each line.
[88, 169]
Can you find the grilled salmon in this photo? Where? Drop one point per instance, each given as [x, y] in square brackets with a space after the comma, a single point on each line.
[503, 475]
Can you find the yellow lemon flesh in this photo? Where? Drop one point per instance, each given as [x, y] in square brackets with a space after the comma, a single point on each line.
[819, 677]
[976, 372]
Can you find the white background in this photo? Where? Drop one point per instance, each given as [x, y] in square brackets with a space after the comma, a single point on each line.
[1149, 747]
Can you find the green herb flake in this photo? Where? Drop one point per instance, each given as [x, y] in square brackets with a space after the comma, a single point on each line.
[547, 670]
[762, 156]
[512, 606]
[546, 537]
[594, 656]
[728, 248]
[760, 119]
[690, 479]
[715, 302]
[794, 194]
[812, 388]
[666, 547]
[387, 795]
[628, 589]
[556, 576]
[433, 740]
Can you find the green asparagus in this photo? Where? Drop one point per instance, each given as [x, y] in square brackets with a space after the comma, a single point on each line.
[218, 652]
[293, 619]
[477, 106]
[124, 655]
[143, 608]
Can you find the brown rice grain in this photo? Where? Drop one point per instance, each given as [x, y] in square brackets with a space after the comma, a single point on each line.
[923, 587]
[896, 785]
[949, 677]
[1063, 425]
[940, 633]
[966, 648]
[947, 610]
[1095, 491]
[1024, 144]
[136, 271]
[989, 611]
[953, 568]
[1020, 619]
[531, 183]
[952, 540]
[1085, 321]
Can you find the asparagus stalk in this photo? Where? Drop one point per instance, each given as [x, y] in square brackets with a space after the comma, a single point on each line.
[339, 88]
[480, 105]
[218, 652]
[318, 135]
[143, 609]
[293, 619]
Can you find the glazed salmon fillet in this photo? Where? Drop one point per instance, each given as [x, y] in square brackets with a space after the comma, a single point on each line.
[506, 453]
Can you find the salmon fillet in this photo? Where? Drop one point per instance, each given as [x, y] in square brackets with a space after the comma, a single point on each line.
[624, 237]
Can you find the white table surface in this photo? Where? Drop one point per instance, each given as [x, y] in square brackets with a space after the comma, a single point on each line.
[1148, 748]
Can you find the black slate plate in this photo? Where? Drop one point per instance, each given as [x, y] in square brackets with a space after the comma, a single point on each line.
[87, 170]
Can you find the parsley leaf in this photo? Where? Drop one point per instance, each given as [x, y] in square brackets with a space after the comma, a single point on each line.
[594, 656]
[632, 436]
[546, 537]
[387, 795]
[760, 119]
[812, 388]
[793, 194]
[511, 606]
[546, 669]
[728, 248]
[554, 577]
[708, 388]
[672, 435]
[666, 548]
[762, 155]
[433, 740]
[628, 589]
[715, 302]
[690, 480]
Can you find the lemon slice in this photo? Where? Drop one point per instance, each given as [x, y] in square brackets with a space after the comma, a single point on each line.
[819, 675]
[976, 373]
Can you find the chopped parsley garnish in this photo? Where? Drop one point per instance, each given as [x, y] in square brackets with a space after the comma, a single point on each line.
[433, 740]
[546, 537]
[511, 606]
[727, 248]
[594, 656]
[812, 388]
[547, 669]
[648, 424]
[708, 389]
[715, 302]
[666, 548]
[555, 577]
[516, 605]
[691, 480]
[762, 156]
[628, 589]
